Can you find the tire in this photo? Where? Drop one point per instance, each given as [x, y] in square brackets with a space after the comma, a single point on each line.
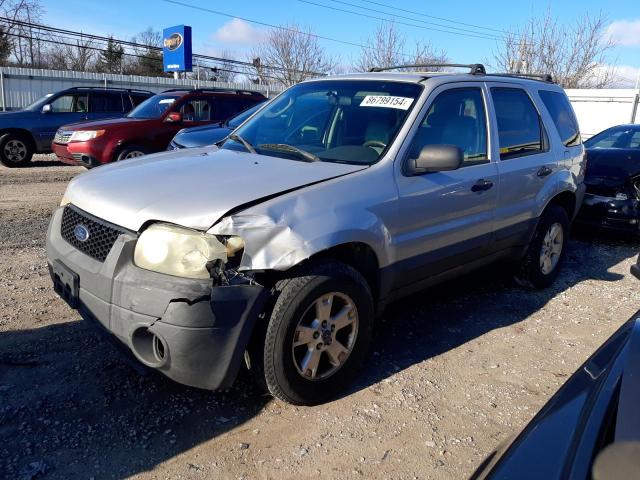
[130, 151]
[15, 150]
[291, 372]
[550, 237]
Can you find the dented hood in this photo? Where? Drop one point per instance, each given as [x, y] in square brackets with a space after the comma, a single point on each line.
[193, 188]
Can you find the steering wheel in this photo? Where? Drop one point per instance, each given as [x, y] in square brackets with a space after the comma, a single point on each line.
[374, 143]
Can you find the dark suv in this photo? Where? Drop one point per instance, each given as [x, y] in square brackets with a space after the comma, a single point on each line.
[31, 130]
[150, 126]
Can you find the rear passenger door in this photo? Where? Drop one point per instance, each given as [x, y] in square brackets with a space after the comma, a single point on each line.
[526, 162]
[105, 105]
[445, 219]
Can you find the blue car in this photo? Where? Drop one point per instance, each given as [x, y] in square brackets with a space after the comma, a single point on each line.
[31, 130]
[209, 134]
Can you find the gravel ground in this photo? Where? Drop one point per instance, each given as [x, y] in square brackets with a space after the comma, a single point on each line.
[455, 371]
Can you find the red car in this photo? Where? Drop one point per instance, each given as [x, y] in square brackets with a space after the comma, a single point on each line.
[149, 127]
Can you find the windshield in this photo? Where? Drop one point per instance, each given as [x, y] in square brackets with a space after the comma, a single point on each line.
[153, 107]
[627, 137]
[38, 104]
[347, 121]
[242, 116]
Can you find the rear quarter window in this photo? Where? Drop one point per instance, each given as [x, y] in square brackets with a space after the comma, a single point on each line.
[562, 115]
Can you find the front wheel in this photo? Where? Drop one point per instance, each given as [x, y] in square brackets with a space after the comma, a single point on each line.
[15, 150]
[130, 151]
[319, 333]
[541, 264]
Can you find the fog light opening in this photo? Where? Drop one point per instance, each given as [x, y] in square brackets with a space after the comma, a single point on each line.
[149, 348]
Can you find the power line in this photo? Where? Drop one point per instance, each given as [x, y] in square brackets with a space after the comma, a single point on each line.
[89, 47]
[456, 30]
[278, 27]
[413, 12]
[148, 47]
[361, 14]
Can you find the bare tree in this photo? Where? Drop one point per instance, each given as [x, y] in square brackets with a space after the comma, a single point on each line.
[27, 45]
[290, 55]
[576, 54]
[385, 48]
[225, 71]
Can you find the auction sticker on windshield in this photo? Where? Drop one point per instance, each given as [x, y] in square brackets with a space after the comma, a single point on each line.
[387, 101]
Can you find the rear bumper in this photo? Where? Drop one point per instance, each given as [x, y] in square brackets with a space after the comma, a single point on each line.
[610, 213]
[191, 332]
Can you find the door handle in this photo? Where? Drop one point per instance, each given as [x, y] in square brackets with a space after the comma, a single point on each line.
[482, 185]
[544, 171]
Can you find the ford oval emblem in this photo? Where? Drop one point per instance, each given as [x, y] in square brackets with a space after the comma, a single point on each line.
[173, 42]
[81, 232]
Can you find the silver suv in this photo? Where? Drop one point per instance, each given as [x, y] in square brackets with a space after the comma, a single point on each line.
[279, 247]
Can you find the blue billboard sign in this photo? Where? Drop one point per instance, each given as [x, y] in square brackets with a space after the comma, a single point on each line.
[176, 49]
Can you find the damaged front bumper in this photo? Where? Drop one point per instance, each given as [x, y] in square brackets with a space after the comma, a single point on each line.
[610, 213]
[189, 330]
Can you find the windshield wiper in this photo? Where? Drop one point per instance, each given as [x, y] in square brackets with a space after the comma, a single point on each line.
[247, 145]
[283, 147]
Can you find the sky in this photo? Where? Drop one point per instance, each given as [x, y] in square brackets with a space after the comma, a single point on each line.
[460, 29]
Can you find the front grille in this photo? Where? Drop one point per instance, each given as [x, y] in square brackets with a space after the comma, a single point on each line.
[62, 136]
[101, 235]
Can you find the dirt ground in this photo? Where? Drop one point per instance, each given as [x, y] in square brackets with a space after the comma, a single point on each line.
[454, 372]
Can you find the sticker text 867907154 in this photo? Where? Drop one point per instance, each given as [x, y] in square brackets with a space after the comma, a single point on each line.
[386, 101]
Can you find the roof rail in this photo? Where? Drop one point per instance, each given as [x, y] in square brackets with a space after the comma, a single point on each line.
[110, 88]
[544, 77]
[474, 68]
[215, 90]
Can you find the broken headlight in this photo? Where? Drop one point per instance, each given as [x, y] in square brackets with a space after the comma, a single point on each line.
[182, 252]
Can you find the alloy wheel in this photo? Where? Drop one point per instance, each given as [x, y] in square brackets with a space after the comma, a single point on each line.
[551, 248]
[325, 336]
[15, 151]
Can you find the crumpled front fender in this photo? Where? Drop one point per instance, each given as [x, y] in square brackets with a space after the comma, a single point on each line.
[282, 242]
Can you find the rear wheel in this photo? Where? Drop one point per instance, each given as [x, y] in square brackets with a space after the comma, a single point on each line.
[15, 150]
[318, 334]
[541, 264]
[130, 151]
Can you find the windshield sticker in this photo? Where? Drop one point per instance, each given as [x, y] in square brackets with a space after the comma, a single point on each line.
[167, 100]
[387, 101]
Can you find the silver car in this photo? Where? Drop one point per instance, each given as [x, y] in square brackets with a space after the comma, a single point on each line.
[280, 246]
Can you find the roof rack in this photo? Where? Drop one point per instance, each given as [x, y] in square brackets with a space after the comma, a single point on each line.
[215, 90]
[545, 77]
[474, 68]
[110, 88]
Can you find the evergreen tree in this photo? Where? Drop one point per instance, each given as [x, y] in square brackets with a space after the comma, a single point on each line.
[111, 58]
[5, 47]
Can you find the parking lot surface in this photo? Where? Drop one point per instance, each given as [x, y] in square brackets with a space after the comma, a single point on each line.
[455, 371]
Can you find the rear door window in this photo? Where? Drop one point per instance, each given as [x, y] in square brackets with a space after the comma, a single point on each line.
[196, 110]
[519, 126]
[103, 102]
[565, 121]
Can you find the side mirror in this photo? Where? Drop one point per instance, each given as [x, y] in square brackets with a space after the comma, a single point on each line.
[174, 117]
[46, 108]
[436, 158]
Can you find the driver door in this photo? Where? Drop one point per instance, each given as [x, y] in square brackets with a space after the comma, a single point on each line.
[446, 219]
[65, 109]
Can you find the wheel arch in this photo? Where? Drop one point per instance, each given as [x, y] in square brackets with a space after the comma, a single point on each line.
[567, 200]
[22, 132]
